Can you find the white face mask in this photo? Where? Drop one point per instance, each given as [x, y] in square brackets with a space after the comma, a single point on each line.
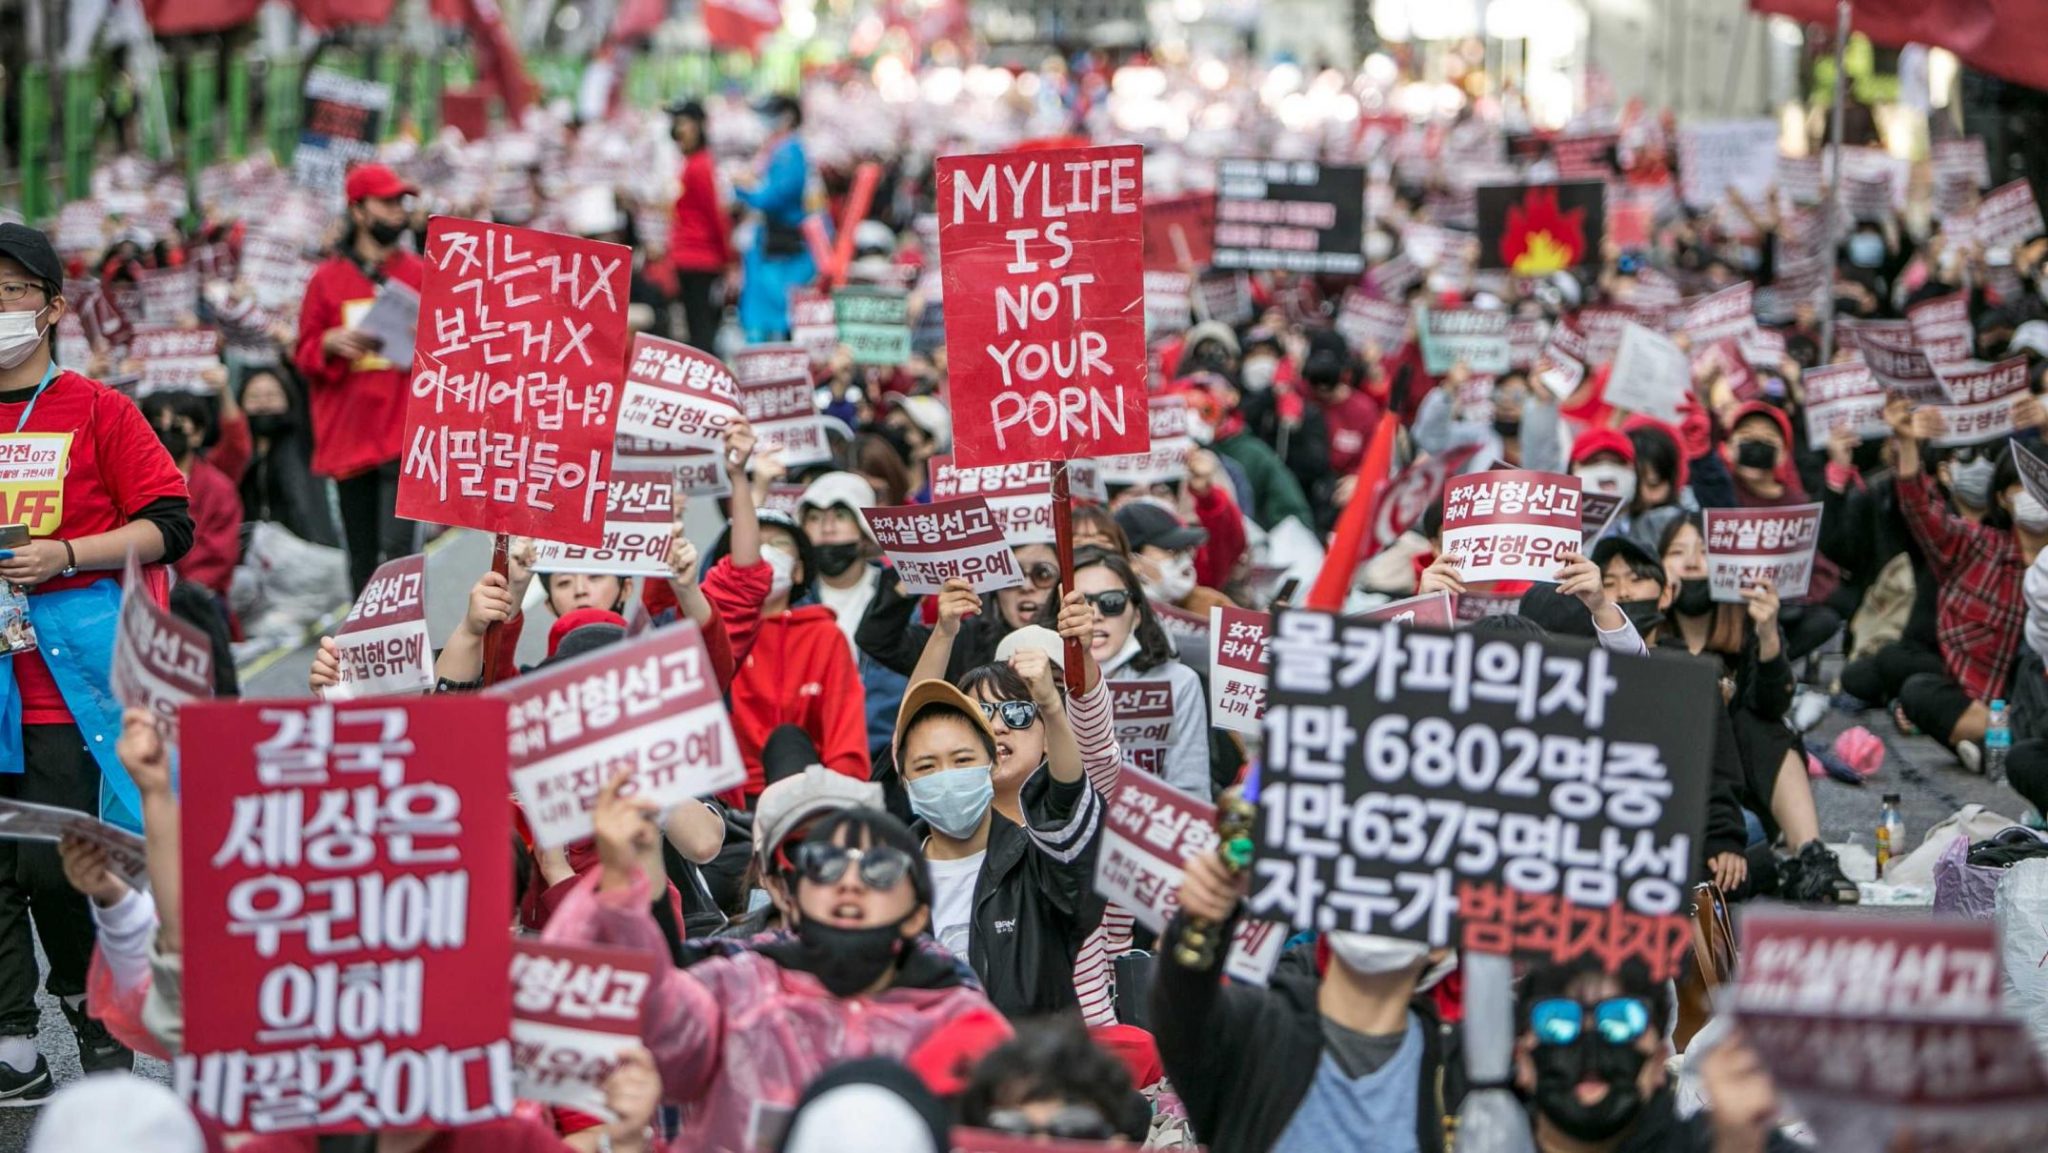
[19, 337]
[783, 567]
[1374, 955]
[1258, 374]
[1613, 479]
[1200, 431]
[2030, 514]
[1176, 580]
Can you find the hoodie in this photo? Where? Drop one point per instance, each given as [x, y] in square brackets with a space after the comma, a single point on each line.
[800, 673]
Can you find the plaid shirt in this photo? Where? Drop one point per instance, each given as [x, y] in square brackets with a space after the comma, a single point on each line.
[1980, 614]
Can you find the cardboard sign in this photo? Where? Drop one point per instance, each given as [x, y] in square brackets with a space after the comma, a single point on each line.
[1401, 791]
[161, 663]
[1941, 327]
[1715, 156]
[127, 853]
[521, 352]
[175, 360]
[1237, 669]
[575, 1009]
[930, 544]
[1651, 375]
[1042, 257]
[779, 399]
[1430, 611]
[341, 122]
[677, 396]
[356, 954]
[1143, 722]
[1895, 359]
[1748, 545]
[1291, 216]
[1476, 336]
[873, 324]
[1537, 229]
[383, 646]
[1169, 303]
[2033, 471]
[1369, 322]
[651, 704]
[1404, 501]
[2008, 217]
[639, 528]
[1179, 232]
[1845, 395]
[1512, 524]
[1729, 314]
[813, 326]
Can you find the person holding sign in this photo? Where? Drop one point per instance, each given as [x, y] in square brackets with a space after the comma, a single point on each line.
[95, 486]
[1131, 645]
[1759, 454]
[358, 396]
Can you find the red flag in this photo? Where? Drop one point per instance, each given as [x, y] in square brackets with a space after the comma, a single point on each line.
[182, 17]
[637, 20]
[740, 24]
[1354, 527]
[331, 14]
[2005, 38]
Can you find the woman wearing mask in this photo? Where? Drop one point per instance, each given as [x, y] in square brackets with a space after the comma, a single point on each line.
[1661, 495]
[278, 485]
[1130, 645]
[1162, 550]
[1523, 430]
[1604, 460]
[774, 186]
[1759, 454]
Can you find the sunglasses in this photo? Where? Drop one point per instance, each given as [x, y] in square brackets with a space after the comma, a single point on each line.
[881, 866]
[1113, 603]
[1015, 714]
[1042, 575]
[1971, 453]
[1560, 1020]
[1071, 1123]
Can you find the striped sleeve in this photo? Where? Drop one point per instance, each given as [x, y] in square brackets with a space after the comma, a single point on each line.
[1094, 969]
[1093, 722]
[1063, 839]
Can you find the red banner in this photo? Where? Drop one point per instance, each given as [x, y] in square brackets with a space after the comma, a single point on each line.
[574, 1010]
[184, 17]
[1180, 232]
[521, 348]
[356, 960]
[1043, 259]
[740, 25]
[2006, 38]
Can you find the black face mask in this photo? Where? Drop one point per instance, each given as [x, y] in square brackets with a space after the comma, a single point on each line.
[385, 233]
[1560, 1068]
[846, 961]
[174, 441]
[1695, 598]
[1644, 615]
[272, 425]
[1507, 429]
[834, 559]
[1756, 454]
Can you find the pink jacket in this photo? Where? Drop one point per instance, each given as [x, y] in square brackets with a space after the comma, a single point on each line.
[737, 1038]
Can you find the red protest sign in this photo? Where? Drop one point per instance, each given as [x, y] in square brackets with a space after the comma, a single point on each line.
[930, 544]
[575, 1009]
[677, 397]
[1942, 328]
[356, 955]
[1180, 231]
[1043, 263]
[516, 368]
[651, 705]
[1749, 545]
[160, 663]
[383, 647]
[639, 527]
[1512, 524]
[1844, 395]
[1237, 669]
[1729, 314]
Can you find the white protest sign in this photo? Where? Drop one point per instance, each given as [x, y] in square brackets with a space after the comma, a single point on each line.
[382, 647]
[1729, 314]
[1715, 156]
[1512, 524]
[677, 396]
[1237, 669]
[575, 1010]
[1651, 375]
[1845, 395]
[639, 528]
[930, 544]
[126, 852]
[160, 662]
[1746, 546]
[1143, 712]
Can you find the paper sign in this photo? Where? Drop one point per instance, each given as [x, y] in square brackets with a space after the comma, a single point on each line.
[1368, 322]
[161, 663]
[575, 1009]
[1290, 215]
[170, 296]
[383, 646]
[1188, 631]
[1512, 524]
[1526, 337]
[1169, 303]
[1942, 328]
[351, 922]
[1430, 610]
[1151, 829]
[1167, 460]
[509, 428]
[2008, 217]
[1597, 511]
[1143, 712]
[394, 318]
[779, 399]
[639, 529]
[127, 853]
[175, 359]
[1237, 669]
[1225, 297]
[1651, 375]
[1561, 367]
[1844, 395]
[677, 396]
[703, 476]
[1715, 156]
[341, 121]
[874, 324]
[812, 326]
[930, 544]
[651, 704]
[1746, 546]
[1729, 314]
[1895, 359]
[1976, 423]
[1179, 231]
[2033, 471]
[1042, 257]
[1981, 400]
[1018, 495]
[1404, 502]
[1478, 337]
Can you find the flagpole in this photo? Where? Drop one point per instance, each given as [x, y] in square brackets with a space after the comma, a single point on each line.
[1834, 220]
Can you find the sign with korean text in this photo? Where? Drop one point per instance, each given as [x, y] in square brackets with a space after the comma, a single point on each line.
[930, 544]
[161, 663]
[811, 324]
[1512, 524]
[175, 359]
[1169, 303]
[1982, 398]
[1290, 216]
[1729, 314]
[677, 396]
[356, 954]
[2008, 217]
[1895, 359]
[1042, 255]
[2033, 471]
[575, 1009]
[1151, 829]
[382, 648]
[127, 853]
[1179, 231]
[874, 324]
[1845, 395]
[1019, 495]
[516, 372]
[1537, 797]
[1597, 511]
[639, 527]
[1143, 712]
[1237, 669]
[1476, 336]
[1420, 485]
[1166, 462]
[1368, 322]
[1561, 366]
[1225, 297]
[651, 705]
[169, 296]
[1942, 328]
[1748, 545]
[779, 400]
[341, 121]
[1716, 157]
[32, 470]
[1652, 375]
[1526, 337]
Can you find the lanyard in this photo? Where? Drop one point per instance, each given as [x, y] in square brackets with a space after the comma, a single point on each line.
[49, 374]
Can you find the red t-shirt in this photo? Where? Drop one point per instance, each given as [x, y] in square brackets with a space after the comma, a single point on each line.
[358, 407]
[116, 468]
[517, 1135]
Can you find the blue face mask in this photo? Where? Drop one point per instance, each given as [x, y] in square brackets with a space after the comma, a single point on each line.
[953, 801]
[1866, 250]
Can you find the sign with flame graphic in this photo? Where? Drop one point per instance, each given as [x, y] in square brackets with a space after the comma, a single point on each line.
[1538, 229]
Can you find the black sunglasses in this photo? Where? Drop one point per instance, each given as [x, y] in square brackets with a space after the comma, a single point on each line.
[1015, 714]
[1110, 604]
[881, 866]
[1071, 1123]
[1042, 575]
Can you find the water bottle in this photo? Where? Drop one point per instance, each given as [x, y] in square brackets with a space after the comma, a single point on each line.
[1997, 741]
[1891, 833]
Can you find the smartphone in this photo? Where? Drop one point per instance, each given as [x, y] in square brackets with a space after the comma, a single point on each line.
[13, 535]
[1285, 596]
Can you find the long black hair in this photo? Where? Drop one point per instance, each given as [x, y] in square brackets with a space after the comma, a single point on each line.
[1154, 647]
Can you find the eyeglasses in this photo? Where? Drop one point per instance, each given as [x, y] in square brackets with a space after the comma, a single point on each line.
[881, 866]
[1071, 1123]
[13, 290]
[1560, 1020]
[1042, 575]
[1015, 714]
[1971, 453]
[1112, 604]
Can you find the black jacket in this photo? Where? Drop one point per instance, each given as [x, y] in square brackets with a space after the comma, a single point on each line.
[1659, 1129]
[1035, 899]
[891, 634]
[1243, 1058]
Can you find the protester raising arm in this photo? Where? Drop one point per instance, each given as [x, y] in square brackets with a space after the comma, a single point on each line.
[737, 586]
[462, 659]
[957, 601]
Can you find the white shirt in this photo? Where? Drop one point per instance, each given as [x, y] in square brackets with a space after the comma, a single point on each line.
[953, 901]
[851, 604]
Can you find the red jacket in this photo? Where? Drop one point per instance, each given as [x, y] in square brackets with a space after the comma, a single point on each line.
[359, 408]
[801, 673]
[1217, 557]
[216, 528]
[700, 237]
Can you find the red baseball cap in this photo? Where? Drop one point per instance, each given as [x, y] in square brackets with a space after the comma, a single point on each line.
[1596, 441]
[366, 181]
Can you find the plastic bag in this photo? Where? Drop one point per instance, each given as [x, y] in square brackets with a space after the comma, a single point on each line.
[296, 583]
[1961, 888]
[2021, 911]
[1492, 1119]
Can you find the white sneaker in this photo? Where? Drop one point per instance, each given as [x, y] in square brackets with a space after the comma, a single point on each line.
[1971, 755]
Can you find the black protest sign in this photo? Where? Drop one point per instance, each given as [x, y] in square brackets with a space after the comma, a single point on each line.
[1538, 229]
[1507, 795]
[1290, 216]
